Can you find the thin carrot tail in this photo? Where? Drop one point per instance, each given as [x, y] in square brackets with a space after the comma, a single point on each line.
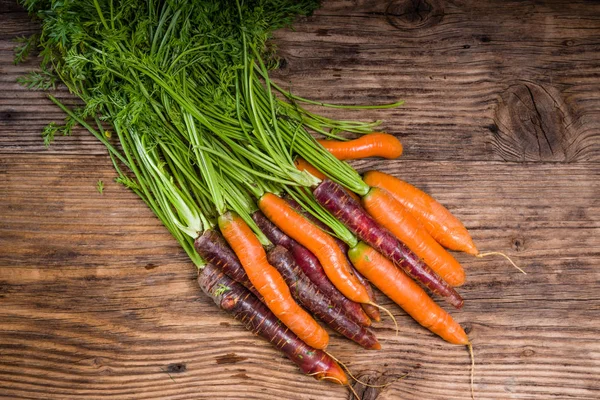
[497, 253]
[388, 312]
[353, 377]
[472, 355]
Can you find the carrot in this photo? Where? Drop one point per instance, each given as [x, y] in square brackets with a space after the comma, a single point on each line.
[333, 197]
[380, 204]
[322, 245]
[406, 293]
[372, 311]
[213, 248]
[307, 294]
[373, 145]
[444, 227]
[268, 282]
[303, 165]
[256, 317]
[312, 268]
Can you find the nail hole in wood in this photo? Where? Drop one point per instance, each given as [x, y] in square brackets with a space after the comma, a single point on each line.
[518, 244]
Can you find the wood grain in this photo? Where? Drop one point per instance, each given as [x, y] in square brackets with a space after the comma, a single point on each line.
[97, 300]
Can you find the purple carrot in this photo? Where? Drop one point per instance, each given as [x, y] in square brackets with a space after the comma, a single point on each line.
[213, 248]
[311, 267]
[257, 318]
[335, 199]
[372, 311]
[307, 294]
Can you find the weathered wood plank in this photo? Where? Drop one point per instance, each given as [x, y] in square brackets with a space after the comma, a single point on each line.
[99, 302]
[110, 307]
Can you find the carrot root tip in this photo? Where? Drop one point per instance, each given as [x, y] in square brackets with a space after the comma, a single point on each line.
[388, 313]
[472, 355]
[355, 378]
[497, 253]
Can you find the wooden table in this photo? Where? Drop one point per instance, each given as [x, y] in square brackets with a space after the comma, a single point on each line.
[501, 124]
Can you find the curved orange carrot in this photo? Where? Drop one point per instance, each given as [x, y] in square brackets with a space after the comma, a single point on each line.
[269, 282]
[373, 145]
[444, 227]
[406, 293]
[391, 214]
[303, 165]
[322, 245]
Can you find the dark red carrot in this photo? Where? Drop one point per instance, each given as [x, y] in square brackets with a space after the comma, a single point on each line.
[307, 294]
[257, 318]
[372, 311]
[213, 248]
[311, 267]
[333, 197]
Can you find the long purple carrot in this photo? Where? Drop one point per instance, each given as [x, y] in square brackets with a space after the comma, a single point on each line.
[307, 294]
[372, 311]
[311, 267]
[213, 248]
[257, 318]
[334, 198]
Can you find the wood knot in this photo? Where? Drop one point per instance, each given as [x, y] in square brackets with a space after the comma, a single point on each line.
[176, 368]
[414, 14]
[527, 353]
[533, 123]
[518, 244]
[376, 382]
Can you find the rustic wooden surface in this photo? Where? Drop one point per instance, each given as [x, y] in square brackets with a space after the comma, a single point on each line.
[501, 124]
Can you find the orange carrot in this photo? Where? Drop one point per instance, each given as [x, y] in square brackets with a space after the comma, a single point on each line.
[269, 283]
[303, 165]
[333, 198]
[381, 205]
[322, 245]
[373, 145]
[444, 227]
[406, 293]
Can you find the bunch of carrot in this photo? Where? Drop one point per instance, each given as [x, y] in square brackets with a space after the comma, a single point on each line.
[282, 229]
